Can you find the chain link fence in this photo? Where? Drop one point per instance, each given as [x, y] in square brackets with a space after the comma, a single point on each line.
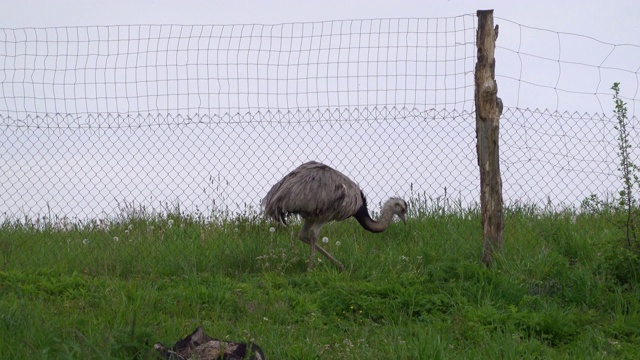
[206, 118]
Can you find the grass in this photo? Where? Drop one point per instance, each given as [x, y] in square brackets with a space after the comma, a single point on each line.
[111, 289]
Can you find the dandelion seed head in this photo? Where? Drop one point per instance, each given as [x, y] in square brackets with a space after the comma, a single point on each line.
[325, 240]
[85, 241]
[115, 238]
[338, 243]
[126, 232]
[272, 230]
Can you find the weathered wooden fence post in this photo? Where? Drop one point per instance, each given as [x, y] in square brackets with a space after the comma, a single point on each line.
[488, 111]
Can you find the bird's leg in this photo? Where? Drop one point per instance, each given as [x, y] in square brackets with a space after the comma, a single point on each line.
[312, 251]
[309, 234]
[306, 236]
[315, 231]
[335, 262]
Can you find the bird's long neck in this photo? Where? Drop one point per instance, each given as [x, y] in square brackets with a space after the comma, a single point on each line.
[372, 225]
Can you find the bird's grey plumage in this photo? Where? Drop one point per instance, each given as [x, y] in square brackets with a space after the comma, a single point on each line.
[313, 190]
[320, 194]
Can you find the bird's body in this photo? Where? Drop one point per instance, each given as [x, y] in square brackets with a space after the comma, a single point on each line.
[320, 194]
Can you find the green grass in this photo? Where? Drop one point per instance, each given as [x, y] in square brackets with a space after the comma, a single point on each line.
[417, 291]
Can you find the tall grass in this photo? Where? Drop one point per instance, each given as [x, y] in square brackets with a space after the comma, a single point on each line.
[109, 289]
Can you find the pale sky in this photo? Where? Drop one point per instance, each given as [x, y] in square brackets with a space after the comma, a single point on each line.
[610, 22]
[91, 170]
[613, 21]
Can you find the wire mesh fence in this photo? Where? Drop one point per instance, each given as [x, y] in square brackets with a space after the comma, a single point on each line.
[230, 69]
[206, 118]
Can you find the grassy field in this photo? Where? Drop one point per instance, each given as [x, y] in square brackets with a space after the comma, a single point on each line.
[109, 290]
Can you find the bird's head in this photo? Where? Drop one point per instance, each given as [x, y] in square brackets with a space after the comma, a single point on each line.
[397, 207]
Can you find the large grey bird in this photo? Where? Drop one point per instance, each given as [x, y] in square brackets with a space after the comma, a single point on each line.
[320, 194]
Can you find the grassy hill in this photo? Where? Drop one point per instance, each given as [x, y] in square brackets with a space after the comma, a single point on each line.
[110, 289]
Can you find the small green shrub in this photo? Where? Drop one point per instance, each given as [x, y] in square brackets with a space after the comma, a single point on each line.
[620, 258]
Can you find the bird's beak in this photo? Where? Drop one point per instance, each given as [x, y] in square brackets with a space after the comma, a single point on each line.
[401, 216]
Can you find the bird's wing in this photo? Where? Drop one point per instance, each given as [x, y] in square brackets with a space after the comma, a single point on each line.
[314, 190]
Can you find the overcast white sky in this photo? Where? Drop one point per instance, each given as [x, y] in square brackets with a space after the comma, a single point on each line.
[613, 21]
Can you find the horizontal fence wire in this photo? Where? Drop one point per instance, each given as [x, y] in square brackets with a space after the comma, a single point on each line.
[229, 69]
[564, 72]
[99, 120]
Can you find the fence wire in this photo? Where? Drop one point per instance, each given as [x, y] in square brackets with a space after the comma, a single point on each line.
[205, 118]
[230, 69]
